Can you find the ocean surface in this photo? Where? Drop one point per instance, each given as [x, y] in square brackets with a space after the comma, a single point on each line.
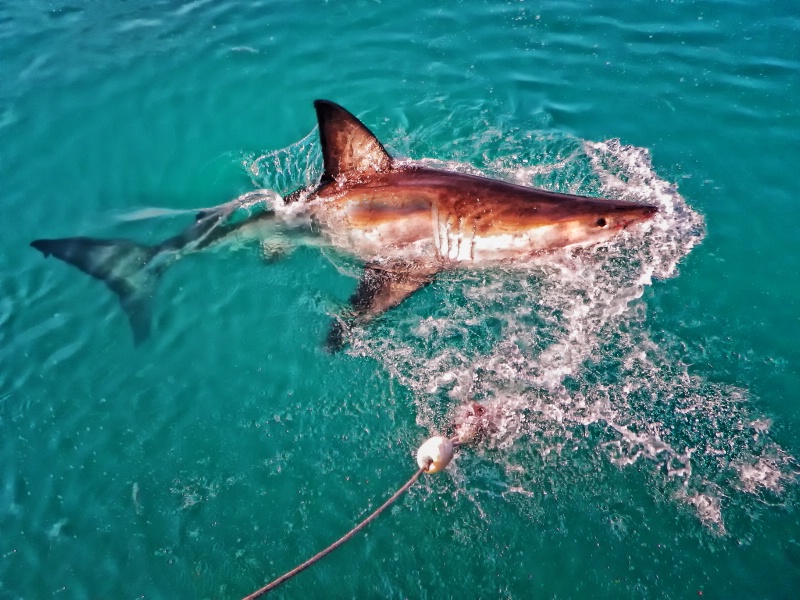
[644, 394]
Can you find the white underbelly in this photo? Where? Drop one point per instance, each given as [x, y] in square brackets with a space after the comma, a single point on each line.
[462, 247]
[457, 241]
[494, 248]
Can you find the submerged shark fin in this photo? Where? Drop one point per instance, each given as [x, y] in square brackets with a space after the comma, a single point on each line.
[137, 302]
[121, 265]
[380, 289]
[349, 149]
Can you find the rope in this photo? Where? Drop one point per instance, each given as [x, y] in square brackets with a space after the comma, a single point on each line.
[285, 577]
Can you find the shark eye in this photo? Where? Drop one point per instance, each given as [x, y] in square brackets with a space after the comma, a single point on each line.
[601, 222]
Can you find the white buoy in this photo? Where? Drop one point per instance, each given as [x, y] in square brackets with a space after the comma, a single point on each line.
[439, 450]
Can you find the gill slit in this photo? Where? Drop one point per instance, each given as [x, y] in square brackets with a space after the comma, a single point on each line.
[460, 237]
[437, 238]
[447, 235]
[472, 242]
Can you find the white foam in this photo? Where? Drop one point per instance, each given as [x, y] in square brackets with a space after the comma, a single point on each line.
[766, 473]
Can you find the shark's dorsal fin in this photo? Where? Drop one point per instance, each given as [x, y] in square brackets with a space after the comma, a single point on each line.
[349, 149]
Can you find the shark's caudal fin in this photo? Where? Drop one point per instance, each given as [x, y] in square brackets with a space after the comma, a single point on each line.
[121, 265]
[380, 289]
[349, 149]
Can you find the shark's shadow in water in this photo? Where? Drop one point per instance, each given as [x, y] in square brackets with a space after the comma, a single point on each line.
[405, 222]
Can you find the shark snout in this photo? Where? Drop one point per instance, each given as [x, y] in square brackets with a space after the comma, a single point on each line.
[636, 215]
[648, 210]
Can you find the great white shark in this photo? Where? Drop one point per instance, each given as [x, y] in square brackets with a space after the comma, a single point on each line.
[405, 222]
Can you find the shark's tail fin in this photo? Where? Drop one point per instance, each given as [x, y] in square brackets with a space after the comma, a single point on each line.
[123, 265]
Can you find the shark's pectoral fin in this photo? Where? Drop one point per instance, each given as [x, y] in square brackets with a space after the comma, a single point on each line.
[382, 287]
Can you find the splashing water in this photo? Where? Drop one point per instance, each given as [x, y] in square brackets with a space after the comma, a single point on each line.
[287, 169]
[559, 352]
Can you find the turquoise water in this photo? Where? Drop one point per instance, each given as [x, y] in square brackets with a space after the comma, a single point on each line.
[643, 395]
